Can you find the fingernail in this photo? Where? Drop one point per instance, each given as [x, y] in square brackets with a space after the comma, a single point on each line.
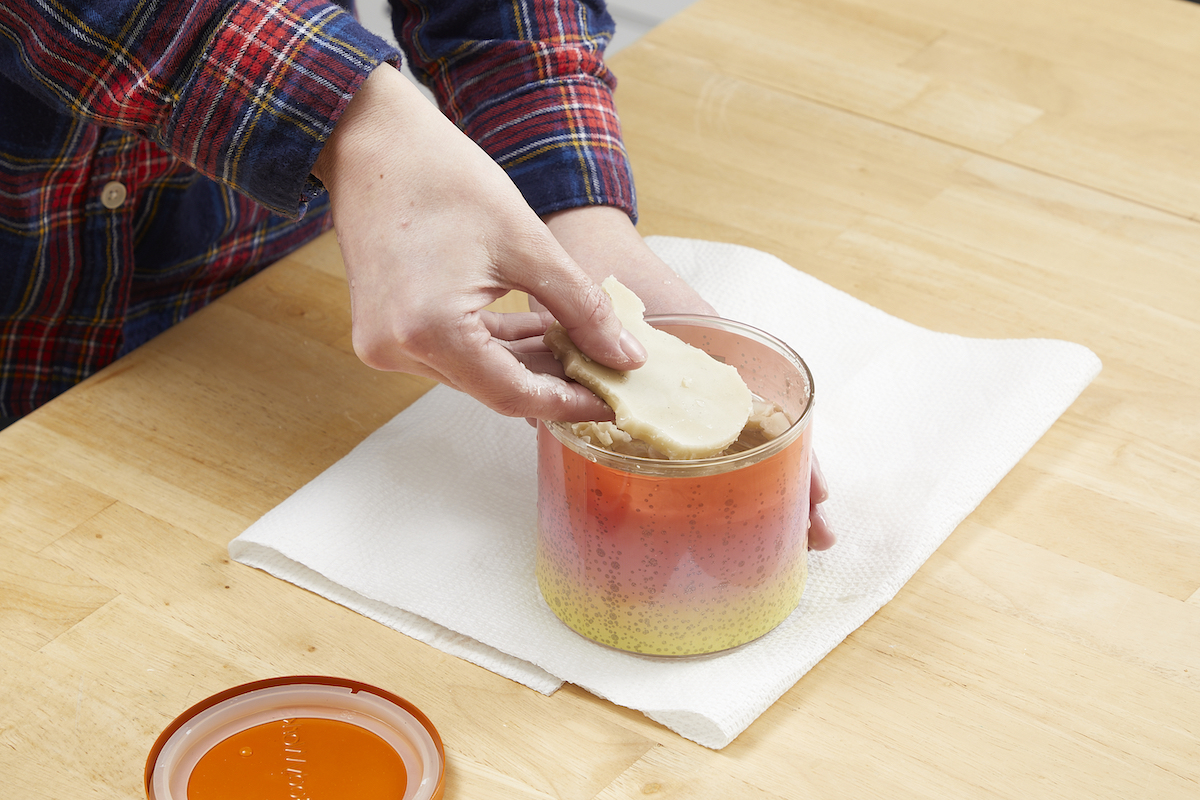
[819, 513]
[827, 536]
[631, 347]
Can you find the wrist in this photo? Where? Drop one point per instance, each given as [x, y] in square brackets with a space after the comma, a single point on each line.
[594, 235]
[366, 125]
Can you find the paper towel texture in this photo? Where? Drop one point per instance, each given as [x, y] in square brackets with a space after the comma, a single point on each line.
[913, 429]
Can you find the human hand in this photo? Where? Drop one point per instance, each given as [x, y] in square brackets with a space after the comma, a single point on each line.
[432, 231]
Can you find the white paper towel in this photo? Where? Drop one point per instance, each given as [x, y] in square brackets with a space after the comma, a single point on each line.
[913, 429]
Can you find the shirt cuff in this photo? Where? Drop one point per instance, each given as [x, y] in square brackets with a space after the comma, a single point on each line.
[266, 94]
[559, 140]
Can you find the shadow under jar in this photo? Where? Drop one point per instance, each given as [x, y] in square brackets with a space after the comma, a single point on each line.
[687, 557]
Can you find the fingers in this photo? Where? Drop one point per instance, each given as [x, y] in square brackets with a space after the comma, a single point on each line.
[515, 326]
[543, 363]
[522, 335]
[530, 394]
[500, 380]
[820, 534]
[554, 281]
[585, 311]
[517, 377]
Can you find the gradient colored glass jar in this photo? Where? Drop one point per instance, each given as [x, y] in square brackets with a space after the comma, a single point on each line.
[682, 558]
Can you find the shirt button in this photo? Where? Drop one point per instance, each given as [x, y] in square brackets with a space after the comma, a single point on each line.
[113, 194]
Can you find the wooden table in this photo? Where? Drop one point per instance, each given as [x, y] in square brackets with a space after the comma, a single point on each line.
[1025, 168]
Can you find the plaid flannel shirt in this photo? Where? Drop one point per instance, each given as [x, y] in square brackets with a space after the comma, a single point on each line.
[154, 153]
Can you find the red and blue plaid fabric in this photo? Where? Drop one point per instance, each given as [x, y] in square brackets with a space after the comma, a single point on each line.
[527, 82]
[209, 115]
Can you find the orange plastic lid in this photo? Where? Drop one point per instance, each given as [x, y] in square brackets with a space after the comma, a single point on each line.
[298, 737]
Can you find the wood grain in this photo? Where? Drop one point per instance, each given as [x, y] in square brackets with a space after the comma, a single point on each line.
[1028, 168]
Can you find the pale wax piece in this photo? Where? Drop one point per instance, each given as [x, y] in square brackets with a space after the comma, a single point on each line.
[767, 421]
[682, 402]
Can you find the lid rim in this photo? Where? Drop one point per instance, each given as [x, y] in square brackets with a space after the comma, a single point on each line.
[294, 680]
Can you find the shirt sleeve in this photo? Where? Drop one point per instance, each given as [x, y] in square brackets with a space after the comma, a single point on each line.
[246, 91]
[526, 79]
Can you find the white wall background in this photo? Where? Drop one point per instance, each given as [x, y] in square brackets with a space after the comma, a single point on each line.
[633, 17]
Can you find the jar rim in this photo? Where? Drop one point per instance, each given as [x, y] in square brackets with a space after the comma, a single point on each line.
[713, 464]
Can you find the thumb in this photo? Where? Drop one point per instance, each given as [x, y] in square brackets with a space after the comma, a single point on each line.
[586, 311]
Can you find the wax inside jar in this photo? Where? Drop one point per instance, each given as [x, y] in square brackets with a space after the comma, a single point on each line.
[300, 758]
[672, 565]
[682, 558]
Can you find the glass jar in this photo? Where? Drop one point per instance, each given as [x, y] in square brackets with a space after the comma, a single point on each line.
[688, 557]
